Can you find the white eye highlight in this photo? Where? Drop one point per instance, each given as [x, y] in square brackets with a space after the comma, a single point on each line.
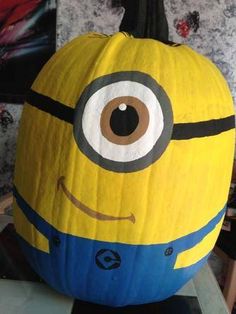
[122, 107]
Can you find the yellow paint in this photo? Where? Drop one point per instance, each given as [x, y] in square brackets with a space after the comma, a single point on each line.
[195, 254]
[28, 232]
[194, 187]
[177, 195]
[191, 81]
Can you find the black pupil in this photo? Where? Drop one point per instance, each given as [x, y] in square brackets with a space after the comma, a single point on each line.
[124, 121]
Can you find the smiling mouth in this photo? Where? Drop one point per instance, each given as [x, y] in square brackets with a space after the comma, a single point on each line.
[88, 211]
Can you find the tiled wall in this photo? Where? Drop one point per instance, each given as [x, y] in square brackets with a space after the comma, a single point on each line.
[207, 26]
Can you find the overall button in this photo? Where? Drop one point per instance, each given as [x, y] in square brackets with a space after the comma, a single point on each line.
[56, 241]
[169, 251]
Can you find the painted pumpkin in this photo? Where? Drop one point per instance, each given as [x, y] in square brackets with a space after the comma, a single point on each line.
[123, 168]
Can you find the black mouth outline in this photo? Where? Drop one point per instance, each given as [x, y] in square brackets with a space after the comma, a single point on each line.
[88, 211]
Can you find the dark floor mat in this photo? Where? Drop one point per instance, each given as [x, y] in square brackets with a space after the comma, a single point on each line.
[173, 305]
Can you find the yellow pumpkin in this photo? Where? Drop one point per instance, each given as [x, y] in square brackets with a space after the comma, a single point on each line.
[123, 168]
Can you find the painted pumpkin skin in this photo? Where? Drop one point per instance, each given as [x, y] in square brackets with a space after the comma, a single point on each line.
[123, 168]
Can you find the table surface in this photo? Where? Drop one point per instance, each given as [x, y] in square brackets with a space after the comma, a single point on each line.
[23, 297]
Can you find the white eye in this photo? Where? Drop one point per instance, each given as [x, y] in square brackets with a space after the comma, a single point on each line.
[123, 121]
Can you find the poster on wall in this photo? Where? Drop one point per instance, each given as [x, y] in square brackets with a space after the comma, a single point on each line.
[27, 41]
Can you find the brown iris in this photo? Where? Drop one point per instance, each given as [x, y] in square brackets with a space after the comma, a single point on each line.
[124, 120]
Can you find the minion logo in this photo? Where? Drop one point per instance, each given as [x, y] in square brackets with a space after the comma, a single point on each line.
[108, 259]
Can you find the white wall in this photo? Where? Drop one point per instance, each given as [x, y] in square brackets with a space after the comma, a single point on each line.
[215, 38]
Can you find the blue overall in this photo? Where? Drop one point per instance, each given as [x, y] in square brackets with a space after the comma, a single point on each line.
[113, 274]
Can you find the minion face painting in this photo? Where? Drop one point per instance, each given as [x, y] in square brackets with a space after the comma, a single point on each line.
[123, 167]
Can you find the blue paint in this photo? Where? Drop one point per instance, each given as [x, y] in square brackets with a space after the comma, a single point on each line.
[144, 273]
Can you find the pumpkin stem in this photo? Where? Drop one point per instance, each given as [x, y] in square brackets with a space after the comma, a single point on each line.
[145, 19]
